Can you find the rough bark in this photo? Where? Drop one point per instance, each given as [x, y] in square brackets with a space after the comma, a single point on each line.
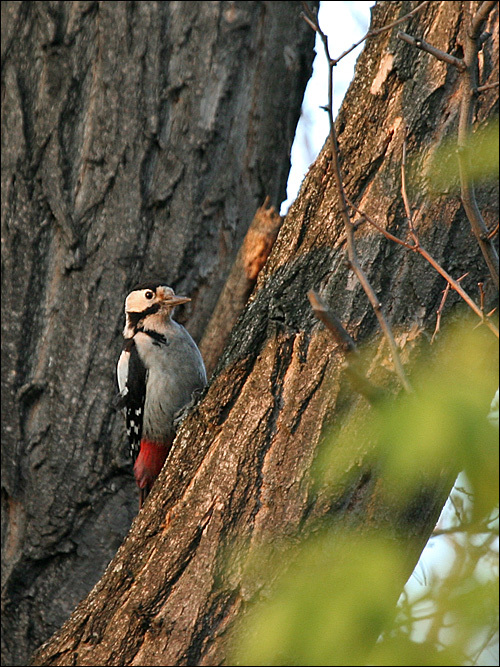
[239, 471]
[249, 261]
[138, 138]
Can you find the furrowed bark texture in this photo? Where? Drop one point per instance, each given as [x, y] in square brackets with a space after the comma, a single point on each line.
[249, 261]
[239, 468]
[138, 139]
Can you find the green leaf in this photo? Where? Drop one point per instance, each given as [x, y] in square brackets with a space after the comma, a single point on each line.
[442, 170]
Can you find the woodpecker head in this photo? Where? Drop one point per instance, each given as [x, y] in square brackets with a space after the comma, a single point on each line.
[153, 301]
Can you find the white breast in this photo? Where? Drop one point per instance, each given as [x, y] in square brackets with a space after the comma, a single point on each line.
[175, 371]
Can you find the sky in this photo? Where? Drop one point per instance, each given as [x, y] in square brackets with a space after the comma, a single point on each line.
[345, 23]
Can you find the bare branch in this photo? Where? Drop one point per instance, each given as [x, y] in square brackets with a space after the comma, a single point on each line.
[348, 225]
[309, 22]
[437, 53]
[473, 528]
[378, 31]
[488, 639]
[494, 231]
[468, 197]
[406, 202]
[480, 17]
[435, 264]
[332, 322]
[470, 82]
[487, 86]
[454, 284]
[481, 296]
[439, 311]
[383, 231]
[479, 310]
[360, 382]
[468, 66]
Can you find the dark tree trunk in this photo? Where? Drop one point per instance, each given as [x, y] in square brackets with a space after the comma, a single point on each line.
[138, 138]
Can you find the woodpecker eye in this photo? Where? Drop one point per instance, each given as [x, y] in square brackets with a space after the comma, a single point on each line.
[149, 294]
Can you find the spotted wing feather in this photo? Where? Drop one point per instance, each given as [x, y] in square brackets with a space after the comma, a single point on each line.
[132, 375]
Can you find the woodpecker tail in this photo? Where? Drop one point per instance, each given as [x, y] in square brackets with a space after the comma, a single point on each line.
[148, 464]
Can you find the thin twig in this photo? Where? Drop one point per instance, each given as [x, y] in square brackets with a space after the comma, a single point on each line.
[470, 302]
[344, 213]
[468, 66]
[437, 53]
[435, 264]
[332, 323]
[480, 17]
[472, 528]
[360, 382]
[383, 231]
[439, 311]
[418, 248]
[488, 639]
[470, 82]
[487, 86]
[406, 201]
[481, 297]
[311, 20]
[494, 232]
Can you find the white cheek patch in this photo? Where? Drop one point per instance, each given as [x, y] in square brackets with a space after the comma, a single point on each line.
[137, 302]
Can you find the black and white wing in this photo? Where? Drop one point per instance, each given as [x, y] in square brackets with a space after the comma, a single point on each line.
[132, 375]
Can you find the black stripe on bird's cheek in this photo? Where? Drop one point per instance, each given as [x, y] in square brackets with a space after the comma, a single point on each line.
[135, 318]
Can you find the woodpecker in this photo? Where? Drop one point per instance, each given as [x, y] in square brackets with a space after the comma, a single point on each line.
[159, 370]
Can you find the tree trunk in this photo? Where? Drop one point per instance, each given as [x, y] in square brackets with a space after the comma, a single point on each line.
[138, 139]
[239, 470]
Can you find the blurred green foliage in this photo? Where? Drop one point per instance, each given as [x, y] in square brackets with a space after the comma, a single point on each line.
[445, 421]
[332, 597]
[443, 173]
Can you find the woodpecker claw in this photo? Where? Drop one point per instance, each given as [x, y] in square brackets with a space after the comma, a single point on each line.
[143, 494]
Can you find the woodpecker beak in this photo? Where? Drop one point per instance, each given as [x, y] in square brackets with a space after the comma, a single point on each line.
[175, 300]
